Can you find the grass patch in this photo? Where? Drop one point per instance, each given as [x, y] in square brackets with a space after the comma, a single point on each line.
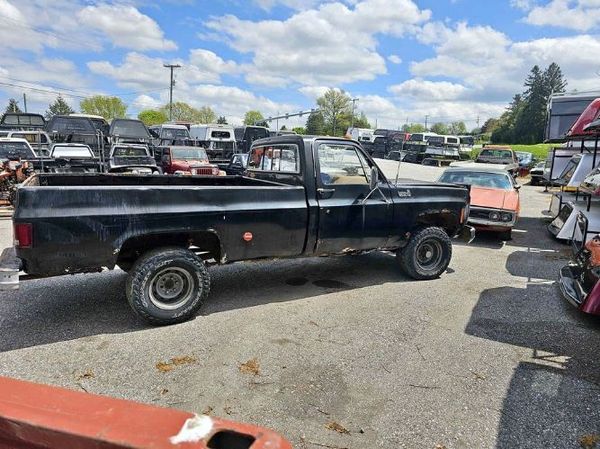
[539, 150]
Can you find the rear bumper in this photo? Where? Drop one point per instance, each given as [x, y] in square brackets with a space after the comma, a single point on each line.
[10, 266]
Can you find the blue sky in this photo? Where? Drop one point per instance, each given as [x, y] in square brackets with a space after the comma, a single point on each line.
[403, 59]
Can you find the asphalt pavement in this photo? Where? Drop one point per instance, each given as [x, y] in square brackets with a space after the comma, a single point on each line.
[340, 352]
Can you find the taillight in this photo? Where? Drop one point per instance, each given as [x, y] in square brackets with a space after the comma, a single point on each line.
[23, 235]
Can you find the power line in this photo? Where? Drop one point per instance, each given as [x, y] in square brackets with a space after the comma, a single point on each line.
[65, 91]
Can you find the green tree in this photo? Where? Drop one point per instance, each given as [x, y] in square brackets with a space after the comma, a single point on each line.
[335, 108]
[439, 128]
[59, 107]
[315, 124]
[182, 112]
[299, 130]
[206, 115]
[105, 106]
[490, 125]
[457, 128]
[413, 128]
[153, 117]
[525, 119]
[361, 121]
[13, 106]
[222, 120]
[253, 117]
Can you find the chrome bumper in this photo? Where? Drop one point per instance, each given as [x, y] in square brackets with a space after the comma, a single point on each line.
[497, 224]
[466, 234]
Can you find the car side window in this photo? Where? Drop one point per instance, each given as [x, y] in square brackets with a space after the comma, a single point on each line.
[341, 164]
[275, 158]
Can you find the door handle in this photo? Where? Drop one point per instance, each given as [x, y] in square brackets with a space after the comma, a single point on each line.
[325, 192]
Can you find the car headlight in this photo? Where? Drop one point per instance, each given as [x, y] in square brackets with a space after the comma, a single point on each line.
[507, 217]
[495, 216]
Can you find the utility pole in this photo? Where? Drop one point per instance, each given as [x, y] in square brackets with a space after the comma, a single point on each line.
[477, 121]
[426, 119]
[171, 67]
[354, 100]
[25, 101]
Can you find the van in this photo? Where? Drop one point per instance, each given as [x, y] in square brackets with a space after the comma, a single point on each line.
[361, 134]
[218, 140]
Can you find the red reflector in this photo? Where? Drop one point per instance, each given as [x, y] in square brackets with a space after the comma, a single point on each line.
[23, 235]
[248, 236]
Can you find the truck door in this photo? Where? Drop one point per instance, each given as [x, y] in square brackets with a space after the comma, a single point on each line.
[346, 220]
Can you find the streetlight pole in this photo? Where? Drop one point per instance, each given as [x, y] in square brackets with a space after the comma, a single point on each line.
[354, 100]
[171, 67]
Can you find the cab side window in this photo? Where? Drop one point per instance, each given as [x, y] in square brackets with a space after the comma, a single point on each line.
[275, 158]
[342, 164]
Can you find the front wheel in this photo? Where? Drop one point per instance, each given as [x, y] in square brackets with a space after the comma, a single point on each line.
[427, 254]
[167, 285]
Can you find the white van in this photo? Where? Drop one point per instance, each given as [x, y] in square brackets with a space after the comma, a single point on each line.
[218, 140]
[361, 134]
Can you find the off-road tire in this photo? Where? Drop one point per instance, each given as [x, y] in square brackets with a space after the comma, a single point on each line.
[410, 257]
[146, 275]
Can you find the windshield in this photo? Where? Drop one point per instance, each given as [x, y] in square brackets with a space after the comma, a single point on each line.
[129, 128]
[524, 157]
[67, 151]
[189, 154]
[129, 152]
[479, 179]
[436, 140]
[20, 149]
[31, 137]
[216, 145]
[66, 125]
[175, 133]
[220, 134]
[24, 120]
[496, 154]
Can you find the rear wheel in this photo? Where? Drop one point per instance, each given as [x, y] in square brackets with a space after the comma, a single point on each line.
[167, 285]
[427, 254]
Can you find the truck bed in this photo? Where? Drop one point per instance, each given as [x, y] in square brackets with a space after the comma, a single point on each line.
[91, 218]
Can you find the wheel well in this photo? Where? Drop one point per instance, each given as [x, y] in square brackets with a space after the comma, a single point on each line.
[206, 243]
[445, 220]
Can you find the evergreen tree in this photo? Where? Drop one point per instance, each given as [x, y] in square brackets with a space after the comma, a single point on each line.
[13, 106]
[222, 120]
[59, 107]
[315, 124]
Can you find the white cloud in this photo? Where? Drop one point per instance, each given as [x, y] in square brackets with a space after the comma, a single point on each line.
[125, 26]
[331, 44]
[523, 5]
[394, 59]
[580, 15]
[139, 71]
[428, 90]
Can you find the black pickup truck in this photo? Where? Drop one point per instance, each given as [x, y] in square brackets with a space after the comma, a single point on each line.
[300, 197]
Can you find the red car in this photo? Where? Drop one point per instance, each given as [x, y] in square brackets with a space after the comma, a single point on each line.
[184, 160]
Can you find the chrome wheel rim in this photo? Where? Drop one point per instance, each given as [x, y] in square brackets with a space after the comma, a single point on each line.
[170, 288]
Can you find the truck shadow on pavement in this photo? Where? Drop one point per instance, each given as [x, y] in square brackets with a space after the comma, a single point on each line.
[553, 399]
[65, 308]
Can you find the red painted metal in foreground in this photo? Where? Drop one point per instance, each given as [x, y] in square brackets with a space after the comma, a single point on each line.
[591, 113]
[34, 416]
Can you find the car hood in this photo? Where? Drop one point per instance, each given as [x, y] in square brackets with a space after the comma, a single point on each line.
[495, 198]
